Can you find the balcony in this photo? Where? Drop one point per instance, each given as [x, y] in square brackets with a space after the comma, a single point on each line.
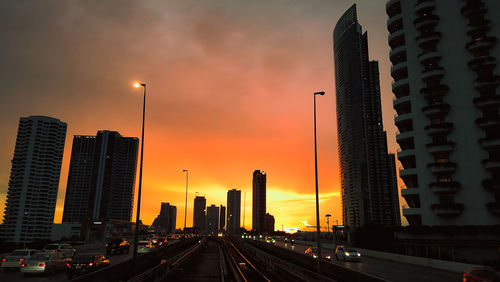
[409, 191]
[432, 73]
[441, 188]
[424, 6]
[398, 103]
[397, 39]
[423, 57]
[395, 23]
[483, 63]
[448, 209]
[399, 71]
[400, 85]
[406, 154]
[412, 211]
[482, 43]
[427, 21]
[442, 168]
[396, 53]
[441, 128]
[403, 117]
[472, 8]
[491, 164]
[488, 123]
[440, 148]
[428, 38]
[434, 91]
[407, 172]
[485, 82]
[436, 109]
[404, 135]
[393, 7]
[494, 207]
[490, 143]
[491, 184]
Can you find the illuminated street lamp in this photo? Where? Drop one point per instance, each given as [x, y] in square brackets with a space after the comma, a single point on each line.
[328, 223]
[137, 219]
[316, 174]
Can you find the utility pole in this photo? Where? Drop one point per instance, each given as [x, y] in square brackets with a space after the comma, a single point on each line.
[244, 208]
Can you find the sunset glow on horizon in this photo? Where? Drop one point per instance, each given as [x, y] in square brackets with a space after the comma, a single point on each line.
[229, 90]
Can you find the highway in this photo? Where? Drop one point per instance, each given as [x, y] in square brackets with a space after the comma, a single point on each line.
[388, 270]
[61, 275]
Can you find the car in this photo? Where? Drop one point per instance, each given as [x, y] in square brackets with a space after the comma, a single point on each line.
[481, 274]
[14, 260]
[66, 249]
[85, 263]
[144, 247]
[313, 252]
[117, 246]
[45, 262]
[347, 253]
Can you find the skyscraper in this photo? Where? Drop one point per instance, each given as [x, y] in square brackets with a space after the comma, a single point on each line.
[446, 77]
[199, 218]
[101, 177]
[233, 211]
[34, 179]
[366, 174]
[222, 218]
[259, 201]
[213, 219]
[166, 220]
[269, 223]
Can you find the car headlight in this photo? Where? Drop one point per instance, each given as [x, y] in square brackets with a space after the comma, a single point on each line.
[347, 254]
[315, 256]
[359, 254]
[328, 257]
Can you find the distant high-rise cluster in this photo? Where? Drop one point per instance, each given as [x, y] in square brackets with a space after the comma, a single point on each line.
[101, 177]
[34, 179]
[222, 218]
[444, 57]
[199, 217]
[233, 211]
[212, 219]
[369, 193]
[165, 222]
[259, 201]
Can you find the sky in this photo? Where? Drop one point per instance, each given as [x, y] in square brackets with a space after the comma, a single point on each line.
[230, 90]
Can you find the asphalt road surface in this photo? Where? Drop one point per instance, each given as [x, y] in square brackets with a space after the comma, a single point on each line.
[388, 270]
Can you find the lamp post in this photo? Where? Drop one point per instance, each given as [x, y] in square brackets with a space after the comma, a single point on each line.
[316, 174]
[138, 214]
[186, 205]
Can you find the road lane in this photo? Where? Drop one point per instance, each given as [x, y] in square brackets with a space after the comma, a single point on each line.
[387, 270]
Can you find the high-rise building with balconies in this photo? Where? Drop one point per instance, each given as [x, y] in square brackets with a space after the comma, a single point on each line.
[199, 216]
[213, 219]
[369, 194]
[446, 78]
[34, 179]
[233, 211]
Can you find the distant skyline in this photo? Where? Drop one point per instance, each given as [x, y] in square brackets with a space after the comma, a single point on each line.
[230, 87]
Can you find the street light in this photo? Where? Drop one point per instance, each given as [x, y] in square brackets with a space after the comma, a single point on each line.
[316, 174]
[136, 235]
[328, 223]
[186, 205]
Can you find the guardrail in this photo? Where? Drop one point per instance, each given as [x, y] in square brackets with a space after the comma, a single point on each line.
[284, 269]
[161, 271]
[129, 269]
[294, 260]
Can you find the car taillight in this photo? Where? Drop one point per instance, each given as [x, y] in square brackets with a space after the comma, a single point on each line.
[23, 264]
[21, 259]
[42, 264]
[4, 259]
[90, 264]
[465, 278]
[67, 264]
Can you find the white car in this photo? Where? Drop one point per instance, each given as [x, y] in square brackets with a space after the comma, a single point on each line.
[14, 260]
[66, 249]
[144, 247]
[347, 253]
[48, 262]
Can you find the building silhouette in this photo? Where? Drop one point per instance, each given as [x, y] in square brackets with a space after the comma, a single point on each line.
[34, 179]
[369, 195]
[165, 222]
[199, 218]
[446, 77]
[101, 177]
[233, 211]
[222, 218]
[269, 223]
[259, 201]
[213, 219]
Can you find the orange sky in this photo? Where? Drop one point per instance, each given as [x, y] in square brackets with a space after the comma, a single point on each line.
[230, 90]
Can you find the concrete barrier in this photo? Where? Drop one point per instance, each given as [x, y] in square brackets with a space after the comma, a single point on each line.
[421, 261]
